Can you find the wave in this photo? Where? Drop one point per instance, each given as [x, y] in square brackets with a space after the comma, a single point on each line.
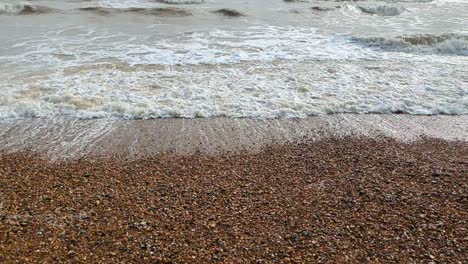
[163, 12]
[455, 44]
[24, 9]
[408, 1]
[382, 10]
[229, 12]
[256, 90]
[142, 3]
[97, 10]
[181, 2]
[263, 72]
[324, 9]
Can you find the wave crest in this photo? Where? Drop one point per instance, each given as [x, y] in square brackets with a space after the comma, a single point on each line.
[163, 12]
[181, 2]
[446, 43]
[382, 10]
[24, 9]
[228, 12]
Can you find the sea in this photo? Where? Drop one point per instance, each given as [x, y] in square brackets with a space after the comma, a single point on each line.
[146, 59]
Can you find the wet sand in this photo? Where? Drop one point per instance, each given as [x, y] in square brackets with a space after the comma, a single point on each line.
[336, 196]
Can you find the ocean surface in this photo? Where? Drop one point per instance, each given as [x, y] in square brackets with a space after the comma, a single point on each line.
[140, 59]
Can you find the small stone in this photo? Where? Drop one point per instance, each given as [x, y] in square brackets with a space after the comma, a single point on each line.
[294, 237]
[143, 246]
[85, 217]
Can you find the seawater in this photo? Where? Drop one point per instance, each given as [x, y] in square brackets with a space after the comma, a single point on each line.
[138, 59]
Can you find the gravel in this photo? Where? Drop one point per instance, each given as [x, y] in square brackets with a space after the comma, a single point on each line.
[334, 200]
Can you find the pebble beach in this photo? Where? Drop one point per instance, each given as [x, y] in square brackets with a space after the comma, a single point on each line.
[227, 131]
[336, 199]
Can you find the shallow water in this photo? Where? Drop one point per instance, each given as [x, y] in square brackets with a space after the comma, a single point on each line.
[68, 137]
[149, 59]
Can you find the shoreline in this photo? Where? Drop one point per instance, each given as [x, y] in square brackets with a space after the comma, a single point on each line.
[70, 138]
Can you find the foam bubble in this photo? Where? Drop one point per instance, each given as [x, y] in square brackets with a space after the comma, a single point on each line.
[255, 90]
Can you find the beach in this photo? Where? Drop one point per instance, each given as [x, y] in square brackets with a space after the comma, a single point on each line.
[338, 197]
[227, 131]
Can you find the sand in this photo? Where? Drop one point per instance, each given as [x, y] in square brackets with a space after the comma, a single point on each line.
[331, 197]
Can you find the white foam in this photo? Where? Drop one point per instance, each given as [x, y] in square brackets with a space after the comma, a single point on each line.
[124, 3]
[259, 72]
[16, 9]
[142, 3]
[257, 90]
[311, 63]
[87, 46]
[11, 9]
[408, 1]
[182, 1]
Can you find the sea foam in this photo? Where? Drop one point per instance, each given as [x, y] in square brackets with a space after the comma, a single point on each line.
[250, 89]
[182, 1]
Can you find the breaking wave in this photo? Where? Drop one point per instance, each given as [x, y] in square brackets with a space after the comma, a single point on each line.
[445, 44]
[24, 9]
[228, 12]
[320, 8]
[382, 10]
[163, 12]
[408, 1]
[254, 90]
[181, 2]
